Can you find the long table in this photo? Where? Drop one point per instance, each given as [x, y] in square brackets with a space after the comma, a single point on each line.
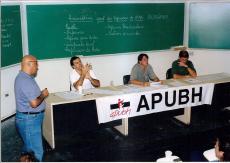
[221, 94]
[54, 101]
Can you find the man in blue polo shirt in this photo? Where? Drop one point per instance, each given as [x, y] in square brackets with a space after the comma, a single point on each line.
[30, 106]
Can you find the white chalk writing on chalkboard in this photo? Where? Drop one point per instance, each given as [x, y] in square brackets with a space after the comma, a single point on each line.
[77, 40]
[157, 17]
[81, 19]
[6, 25]
[124, 25]
[124, 29]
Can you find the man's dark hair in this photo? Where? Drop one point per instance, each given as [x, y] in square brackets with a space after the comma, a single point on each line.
[72, 59]
[141, 56]
[224, 145]
[184, 54]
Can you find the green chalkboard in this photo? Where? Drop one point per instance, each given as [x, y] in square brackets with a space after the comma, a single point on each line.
[11, 39]
[209, 25]
[57, 31]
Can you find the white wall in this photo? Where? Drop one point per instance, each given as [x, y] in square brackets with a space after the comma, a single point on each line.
[7, 90]
[211, 61]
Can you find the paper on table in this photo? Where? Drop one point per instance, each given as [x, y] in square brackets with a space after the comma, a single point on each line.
[68, 95]
[213, 77]
[176, 83]
[193, 81]
[153, 87]
[154, 83]
[103, 91]
[131, 89]
[134, 89]
[161, 86]
[223, 75]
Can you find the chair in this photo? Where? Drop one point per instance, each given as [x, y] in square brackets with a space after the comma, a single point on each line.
[126, 79]
[169, 74]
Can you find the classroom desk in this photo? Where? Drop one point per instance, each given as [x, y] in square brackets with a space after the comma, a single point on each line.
[54, 100]
[221, 93]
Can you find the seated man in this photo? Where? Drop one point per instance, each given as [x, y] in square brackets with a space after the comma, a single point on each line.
[222, 148]
[82, 75]
[183, 68]
[142, 72]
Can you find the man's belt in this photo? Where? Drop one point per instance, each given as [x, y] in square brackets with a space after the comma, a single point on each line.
[32, 112]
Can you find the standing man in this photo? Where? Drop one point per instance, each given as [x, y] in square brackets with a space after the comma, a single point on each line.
[142, 72]
[30, 106]
[182, 67]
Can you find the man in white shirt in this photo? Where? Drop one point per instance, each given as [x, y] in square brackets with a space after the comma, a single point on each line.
[82, 75]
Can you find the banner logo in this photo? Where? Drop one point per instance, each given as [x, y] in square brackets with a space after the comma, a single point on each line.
[120, 108]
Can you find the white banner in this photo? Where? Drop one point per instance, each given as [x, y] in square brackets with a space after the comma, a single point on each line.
[135, 104]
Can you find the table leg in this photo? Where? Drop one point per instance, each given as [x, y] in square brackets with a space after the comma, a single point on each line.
[186, 117]
[124, 127]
